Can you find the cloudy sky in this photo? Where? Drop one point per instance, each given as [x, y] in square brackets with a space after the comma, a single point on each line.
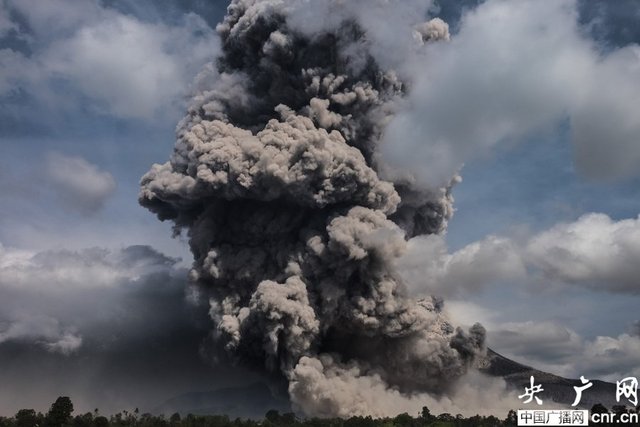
[538, 101]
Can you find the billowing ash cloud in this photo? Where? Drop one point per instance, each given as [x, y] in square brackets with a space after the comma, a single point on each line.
[293, 219]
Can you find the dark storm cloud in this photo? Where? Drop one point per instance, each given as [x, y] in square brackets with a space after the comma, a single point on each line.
[294, 220]
[111, 329]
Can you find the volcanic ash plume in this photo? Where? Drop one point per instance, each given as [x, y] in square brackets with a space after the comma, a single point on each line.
[294, 230]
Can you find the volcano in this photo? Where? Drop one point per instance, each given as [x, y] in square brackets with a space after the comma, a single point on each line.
[556, 388]
[254, 400]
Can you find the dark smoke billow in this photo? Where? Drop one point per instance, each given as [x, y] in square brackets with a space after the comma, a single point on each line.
[293, 221]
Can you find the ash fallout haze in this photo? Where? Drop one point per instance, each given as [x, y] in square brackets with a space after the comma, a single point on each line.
[306, 236]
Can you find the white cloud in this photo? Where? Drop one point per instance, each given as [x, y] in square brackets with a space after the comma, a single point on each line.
[612, 358]
[42, 330]
[66, 345]
[594, 252]
[428, 268]
[55, 17]
[131, 68]
[80, 184]
[56, 272]
[516, 69]
[124, 66]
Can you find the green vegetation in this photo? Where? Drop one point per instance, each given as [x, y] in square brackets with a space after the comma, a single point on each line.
[60, 415]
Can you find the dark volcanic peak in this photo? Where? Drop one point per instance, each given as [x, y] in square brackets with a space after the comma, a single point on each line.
[556, 388]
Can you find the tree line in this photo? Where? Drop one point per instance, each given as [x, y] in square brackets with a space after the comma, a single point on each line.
[61, 415]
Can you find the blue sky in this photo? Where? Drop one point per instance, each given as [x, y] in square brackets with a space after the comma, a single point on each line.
[91, 93]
